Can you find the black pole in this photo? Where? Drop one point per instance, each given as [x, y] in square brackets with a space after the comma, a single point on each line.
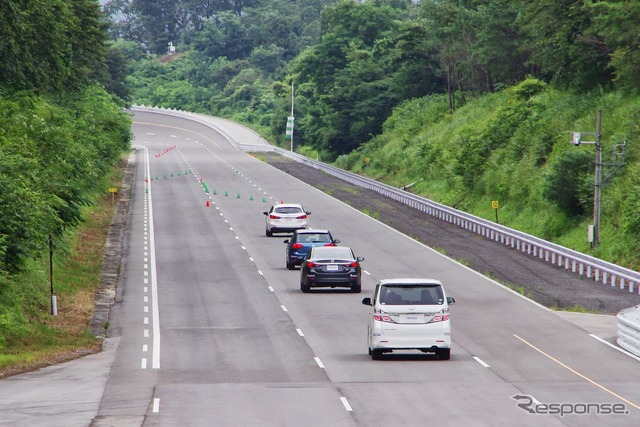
[51, 271]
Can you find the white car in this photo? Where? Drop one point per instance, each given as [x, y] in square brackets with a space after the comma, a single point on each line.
[285, 218]
[409, 314]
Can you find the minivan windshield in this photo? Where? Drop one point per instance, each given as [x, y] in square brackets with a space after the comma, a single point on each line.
[411, 294]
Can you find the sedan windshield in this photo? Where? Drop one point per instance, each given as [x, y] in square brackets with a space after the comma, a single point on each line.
[330, 253]
[288, 210]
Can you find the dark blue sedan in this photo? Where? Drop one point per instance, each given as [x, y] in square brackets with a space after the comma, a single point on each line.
[299, 245]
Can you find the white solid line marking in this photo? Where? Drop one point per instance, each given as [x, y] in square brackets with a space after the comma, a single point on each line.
[283, 308]
[144, 363]
[621, 350]
[156, 405]
[480, 361]
[319, 362]
[155, 309]
[346, 404]
[299, 331]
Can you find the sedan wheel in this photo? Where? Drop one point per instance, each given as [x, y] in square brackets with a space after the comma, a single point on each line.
[376, 354]
[304, 288]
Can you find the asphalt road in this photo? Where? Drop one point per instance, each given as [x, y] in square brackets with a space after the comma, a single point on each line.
[212, 328]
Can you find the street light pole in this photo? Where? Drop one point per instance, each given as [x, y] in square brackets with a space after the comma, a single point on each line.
[292, 116]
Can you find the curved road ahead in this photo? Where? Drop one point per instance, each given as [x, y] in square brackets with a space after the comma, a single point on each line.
[213, 329]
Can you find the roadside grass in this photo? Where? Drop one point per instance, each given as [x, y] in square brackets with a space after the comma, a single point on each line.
[574, 309]
[374, 215]
[32, 337]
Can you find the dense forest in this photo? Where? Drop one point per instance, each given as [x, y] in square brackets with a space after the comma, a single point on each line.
[472, 100]
[62, 131]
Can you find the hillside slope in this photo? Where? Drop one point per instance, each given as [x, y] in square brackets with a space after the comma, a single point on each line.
[515, 147]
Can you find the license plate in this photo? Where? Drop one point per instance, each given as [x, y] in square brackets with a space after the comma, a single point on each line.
[412, 318]
[332, 267]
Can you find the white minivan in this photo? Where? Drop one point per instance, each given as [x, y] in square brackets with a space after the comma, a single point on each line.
[409, 314]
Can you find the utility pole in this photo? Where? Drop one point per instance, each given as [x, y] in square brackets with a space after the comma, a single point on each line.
[594, 234]
[598, 181]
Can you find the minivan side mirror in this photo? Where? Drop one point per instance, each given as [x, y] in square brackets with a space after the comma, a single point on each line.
[451, 300]
[366, 301]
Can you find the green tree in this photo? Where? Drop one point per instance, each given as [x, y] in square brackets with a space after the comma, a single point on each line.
[559, 39]
[568, 183]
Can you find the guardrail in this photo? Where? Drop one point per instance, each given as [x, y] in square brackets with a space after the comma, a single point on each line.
[584, 265]
[629, 329]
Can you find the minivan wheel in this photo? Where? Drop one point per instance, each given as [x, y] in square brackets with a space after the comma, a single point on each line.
[376, 354]
[444, 353]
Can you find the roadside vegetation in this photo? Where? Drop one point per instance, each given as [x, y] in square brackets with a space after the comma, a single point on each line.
[62, 133]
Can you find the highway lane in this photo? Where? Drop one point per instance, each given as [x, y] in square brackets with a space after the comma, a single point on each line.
[504, 345]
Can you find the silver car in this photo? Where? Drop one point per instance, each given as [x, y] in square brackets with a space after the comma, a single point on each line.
[285, 218]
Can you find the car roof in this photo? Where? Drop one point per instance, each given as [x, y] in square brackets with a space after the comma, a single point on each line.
[310, 231]
[280, 204]
[409, 280]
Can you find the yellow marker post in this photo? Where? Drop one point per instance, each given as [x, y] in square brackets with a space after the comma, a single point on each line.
[494, 205]
[113, 191]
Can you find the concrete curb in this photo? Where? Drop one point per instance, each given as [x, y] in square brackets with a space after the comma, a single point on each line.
[109, 275]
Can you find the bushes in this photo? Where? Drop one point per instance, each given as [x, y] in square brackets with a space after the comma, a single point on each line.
[53, 158]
